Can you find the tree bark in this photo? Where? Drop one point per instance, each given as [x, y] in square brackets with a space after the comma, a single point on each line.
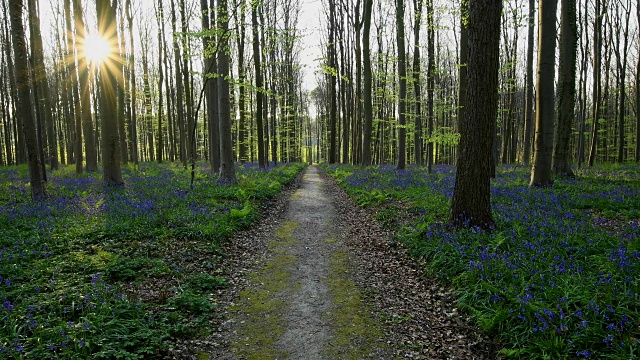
[566, 88]
[528, 120]
[417, 112]
[543, 150]
[471, 202]
[133, 120]
[112, 174]
[597, 87]
[402, 87]
[260, 98]
[368, 83]
[227, 169]
[638, 92]
[24, 108]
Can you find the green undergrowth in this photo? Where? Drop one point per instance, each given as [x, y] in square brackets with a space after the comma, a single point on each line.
[263, 307]
[559, 278]
[100, 272]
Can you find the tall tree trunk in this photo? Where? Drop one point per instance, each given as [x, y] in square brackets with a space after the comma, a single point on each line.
[583, 87]
[417, 5]
[471, 202]
[91, 157]
[638, 92]
[133, 119]
[566, 88]
[331, 50]
[463, 61]
[24, 108]
[180, 105]
[431, 67]
[41, 88]
[112, 174]
[368, 83]
[242, 88]
[622, 31]
[161, 60]
[260, 98]
[528, 120]
[402, 88]
[190, 141]
[543, 151]
[121, 86]
[227, 169]
[597, 87]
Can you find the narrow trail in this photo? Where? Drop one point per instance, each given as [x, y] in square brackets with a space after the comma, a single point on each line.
[316, 280]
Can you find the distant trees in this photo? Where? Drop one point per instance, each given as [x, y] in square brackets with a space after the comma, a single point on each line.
[379, 99]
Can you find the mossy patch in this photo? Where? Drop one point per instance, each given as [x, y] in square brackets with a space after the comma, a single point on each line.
[356, 334]
[263, 307]
[296, 195]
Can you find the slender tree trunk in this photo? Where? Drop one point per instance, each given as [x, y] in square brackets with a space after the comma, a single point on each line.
[543, 151]
[227, 169]
[133, 128]
[418, 156]
[622, 31]
[242, 89]
[121, 86]
[463, 61]
[638, 92]
[528, 120]
[597, 59]
[331, 50]
[402, 88]
[189, 123]
[260, 98]
[368, 83]
[431, 66]
[161, 44]
[566, 88]
[471, 202]
[41, 87]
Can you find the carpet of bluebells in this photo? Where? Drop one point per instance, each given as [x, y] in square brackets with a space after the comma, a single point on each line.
[70, 265]
[560, 276]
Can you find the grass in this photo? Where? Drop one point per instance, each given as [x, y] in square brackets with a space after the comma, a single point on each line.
[120, 272]
[560, 276]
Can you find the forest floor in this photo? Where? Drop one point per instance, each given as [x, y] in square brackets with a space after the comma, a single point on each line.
[317, 278]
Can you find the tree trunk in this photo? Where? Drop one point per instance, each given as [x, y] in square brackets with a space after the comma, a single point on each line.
[528, 120]
[471, 202]
[189, 123]
[161, 44]
[463, 61]
[638, 93]
[566, 88]
[402, 88]
[622, 69]
[417, 5]
[331, 50]
[133, 120]
[121, 87]
[543, 150]
[108, 97]
[597, 60]
[227, 169]
[260, 98]
[368, 83]
[24, 108]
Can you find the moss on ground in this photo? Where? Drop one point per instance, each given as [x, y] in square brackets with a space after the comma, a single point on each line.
[356, 334]
[262, 307]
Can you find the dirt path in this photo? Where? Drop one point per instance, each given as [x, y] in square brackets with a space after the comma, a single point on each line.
[316, 280]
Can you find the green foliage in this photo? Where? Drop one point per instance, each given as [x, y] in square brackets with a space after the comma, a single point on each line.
[558, 278]
[73, 266]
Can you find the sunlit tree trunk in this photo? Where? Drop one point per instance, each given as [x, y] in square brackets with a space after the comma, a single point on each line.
[543, 150]
[133, 128]
[471, 202]
[112, 174]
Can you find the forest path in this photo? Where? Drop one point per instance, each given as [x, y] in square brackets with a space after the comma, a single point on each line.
[317, 279]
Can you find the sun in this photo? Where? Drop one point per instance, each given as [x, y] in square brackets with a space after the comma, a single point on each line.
[96, 48]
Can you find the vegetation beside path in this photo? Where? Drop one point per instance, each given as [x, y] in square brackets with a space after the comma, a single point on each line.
[560, 276]
[123, 272]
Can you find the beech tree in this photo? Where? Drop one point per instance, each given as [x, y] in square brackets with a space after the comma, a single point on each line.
[107, 29]
[541, 170]
[402, 88]
[471, 202]
[566, 88]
